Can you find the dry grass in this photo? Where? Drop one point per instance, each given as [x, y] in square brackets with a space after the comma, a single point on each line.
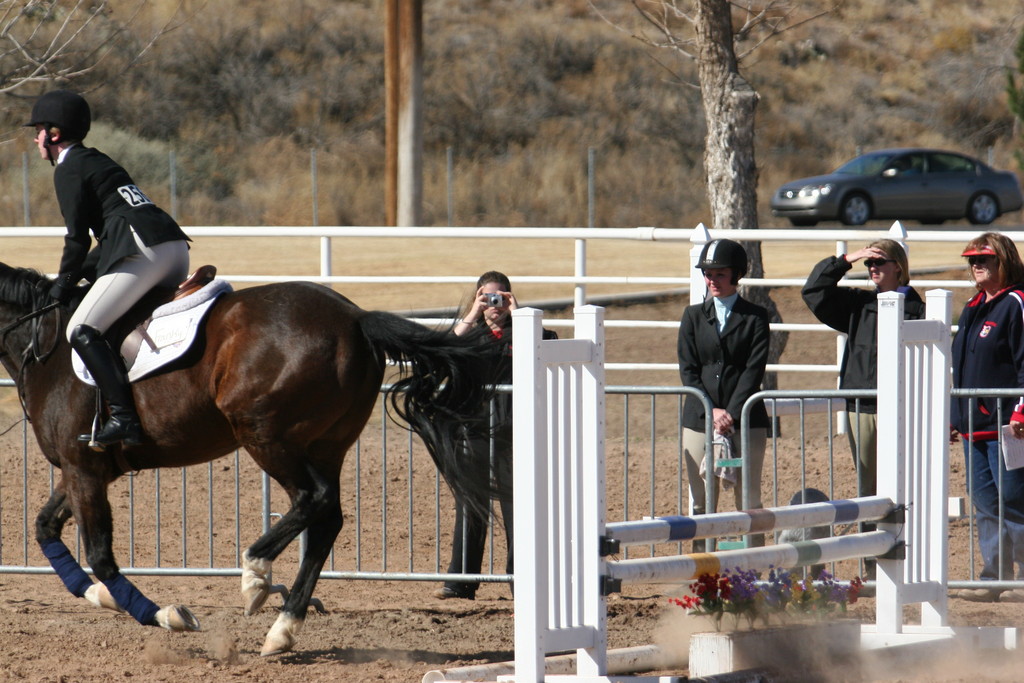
[519, 91]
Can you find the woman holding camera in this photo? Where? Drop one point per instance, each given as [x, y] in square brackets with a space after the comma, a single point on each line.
[492, 306]
[490, 454]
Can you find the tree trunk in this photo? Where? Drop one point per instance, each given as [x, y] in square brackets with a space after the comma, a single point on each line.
[730, 104]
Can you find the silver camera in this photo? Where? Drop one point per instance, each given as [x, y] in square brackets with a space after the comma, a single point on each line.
[494, 299]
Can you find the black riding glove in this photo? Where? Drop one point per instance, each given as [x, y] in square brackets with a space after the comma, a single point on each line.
[62, 289]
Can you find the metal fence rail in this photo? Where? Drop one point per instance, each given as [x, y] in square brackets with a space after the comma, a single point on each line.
[196, 521]
[574, 241]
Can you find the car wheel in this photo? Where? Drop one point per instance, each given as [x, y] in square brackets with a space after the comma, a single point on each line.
[855, 210]
[982, 209]
[803, 222]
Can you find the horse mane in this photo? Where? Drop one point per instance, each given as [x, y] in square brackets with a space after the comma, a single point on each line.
[24, 287]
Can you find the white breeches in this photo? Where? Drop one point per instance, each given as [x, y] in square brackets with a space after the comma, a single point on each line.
[129, 280]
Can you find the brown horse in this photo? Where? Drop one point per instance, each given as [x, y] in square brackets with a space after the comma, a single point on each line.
[289, 372]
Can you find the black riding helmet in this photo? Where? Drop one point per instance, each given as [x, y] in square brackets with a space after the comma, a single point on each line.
[724, 254]
[65, 110]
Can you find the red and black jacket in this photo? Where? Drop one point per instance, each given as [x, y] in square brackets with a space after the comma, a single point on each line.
[988, 352]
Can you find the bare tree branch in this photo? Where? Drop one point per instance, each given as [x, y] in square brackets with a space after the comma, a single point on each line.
[663, 16]
[46, 41]
[671, 24]
[774, 25]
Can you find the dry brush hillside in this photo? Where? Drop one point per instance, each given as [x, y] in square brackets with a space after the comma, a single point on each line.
[519, 91]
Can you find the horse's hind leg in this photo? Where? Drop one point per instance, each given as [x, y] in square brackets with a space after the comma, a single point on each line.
[316, 508]
[321, 535]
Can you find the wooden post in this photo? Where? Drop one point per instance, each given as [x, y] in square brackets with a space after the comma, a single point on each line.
[391, 81]
[403, 83]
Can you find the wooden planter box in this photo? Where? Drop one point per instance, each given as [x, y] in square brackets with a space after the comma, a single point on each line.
[796, 647]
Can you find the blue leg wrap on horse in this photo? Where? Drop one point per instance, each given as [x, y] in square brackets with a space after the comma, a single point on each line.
[132, 600]
[69, 571]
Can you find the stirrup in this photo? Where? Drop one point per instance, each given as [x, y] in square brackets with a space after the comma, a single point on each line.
[90, 438]
[128, 432]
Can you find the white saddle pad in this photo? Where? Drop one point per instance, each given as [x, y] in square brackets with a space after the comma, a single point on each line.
[163, 338]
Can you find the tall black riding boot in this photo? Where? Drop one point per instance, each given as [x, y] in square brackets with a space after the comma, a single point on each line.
[107, 369]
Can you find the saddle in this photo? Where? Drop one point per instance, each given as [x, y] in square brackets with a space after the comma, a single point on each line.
[162, 327]
[203, 276]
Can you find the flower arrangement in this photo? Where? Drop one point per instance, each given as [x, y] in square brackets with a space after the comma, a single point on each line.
[744, 595]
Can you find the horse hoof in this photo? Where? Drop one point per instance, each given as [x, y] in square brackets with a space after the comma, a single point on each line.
[255, 586]
[177, 618]
[254, 597]
[99, 596]
[281, 637]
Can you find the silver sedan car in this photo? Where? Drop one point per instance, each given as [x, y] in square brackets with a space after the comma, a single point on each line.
[928, 185]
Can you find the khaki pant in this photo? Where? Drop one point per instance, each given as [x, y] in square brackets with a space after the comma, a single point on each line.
[863, 429]
[693, 449]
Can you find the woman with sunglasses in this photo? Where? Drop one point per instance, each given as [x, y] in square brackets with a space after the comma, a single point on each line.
[988, 352]
[854, 311]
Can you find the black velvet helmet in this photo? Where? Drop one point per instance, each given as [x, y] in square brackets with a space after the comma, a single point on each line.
[724, 254]
[65, 110]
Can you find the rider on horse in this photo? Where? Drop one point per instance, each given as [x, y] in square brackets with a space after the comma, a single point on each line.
[139, 246]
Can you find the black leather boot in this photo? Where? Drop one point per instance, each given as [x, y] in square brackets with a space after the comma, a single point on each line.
[107, 369]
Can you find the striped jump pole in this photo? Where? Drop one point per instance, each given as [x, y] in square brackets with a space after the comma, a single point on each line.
[677, 568]
[681, 528]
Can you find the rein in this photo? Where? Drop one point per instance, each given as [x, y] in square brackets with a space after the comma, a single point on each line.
[35, 315]
[24, 319]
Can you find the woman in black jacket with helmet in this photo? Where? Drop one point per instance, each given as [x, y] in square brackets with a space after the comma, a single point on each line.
[139, 246]
[723, 351]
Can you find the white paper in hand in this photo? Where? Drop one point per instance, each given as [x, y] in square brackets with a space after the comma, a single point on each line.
[1013, 449]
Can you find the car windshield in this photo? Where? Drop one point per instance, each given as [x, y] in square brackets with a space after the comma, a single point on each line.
[869, 164]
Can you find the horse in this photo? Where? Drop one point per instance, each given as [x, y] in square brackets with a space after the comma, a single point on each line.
[290, 372]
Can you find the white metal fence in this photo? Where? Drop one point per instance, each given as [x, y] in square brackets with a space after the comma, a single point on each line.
[186, 524]
[575, 284]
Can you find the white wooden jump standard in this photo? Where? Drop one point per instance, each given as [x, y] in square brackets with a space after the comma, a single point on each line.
[914, 361]
[560, 508]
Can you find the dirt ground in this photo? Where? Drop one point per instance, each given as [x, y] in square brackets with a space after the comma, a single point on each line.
[395, 632]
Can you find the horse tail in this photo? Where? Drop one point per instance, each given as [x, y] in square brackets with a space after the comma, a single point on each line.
[444, 387]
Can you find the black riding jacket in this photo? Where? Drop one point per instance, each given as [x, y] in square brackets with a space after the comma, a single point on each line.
[728, 367]
[96, 195]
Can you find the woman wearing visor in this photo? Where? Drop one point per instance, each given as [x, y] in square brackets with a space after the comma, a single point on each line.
[988, 352]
